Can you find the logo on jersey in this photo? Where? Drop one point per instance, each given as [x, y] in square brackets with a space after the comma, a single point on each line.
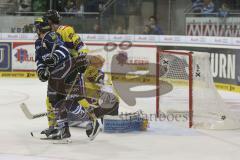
[23, 56]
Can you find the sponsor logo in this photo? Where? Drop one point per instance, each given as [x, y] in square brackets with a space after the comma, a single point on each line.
[117, 37]
[23, 56]
[91, 37]
[194, 39]
[141, 38]
[101, 37]
[177, 39]
[223, 65]
[5, 60]
[137, 61]
[221, 40]
[18, 74]
[168, 38]
[236, 41]
[213, 27]
[12, 36]
[1, 55]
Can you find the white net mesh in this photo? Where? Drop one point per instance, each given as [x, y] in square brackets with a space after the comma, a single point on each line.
[209, 109]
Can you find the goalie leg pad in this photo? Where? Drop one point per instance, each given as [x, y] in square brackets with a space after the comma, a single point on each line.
[125, 123]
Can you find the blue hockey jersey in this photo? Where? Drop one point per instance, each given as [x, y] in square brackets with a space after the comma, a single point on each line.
[50, 44]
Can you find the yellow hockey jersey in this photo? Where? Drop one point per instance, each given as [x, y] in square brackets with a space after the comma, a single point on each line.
[71, 40]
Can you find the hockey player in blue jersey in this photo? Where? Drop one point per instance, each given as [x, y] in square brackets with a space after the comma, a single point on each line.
[55, 65]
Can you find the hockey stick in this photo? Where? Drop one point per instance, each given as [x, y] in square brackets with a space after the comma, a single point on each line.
[28, 114]
[53, 49]
[23, 106]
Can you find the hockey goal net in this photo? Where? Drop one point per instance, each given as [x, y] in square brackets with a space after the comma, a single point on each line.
[171, 85]
[193, 95]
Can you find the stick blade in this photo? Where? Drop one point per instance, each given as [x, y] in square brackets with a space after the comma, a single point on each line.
[25, 110]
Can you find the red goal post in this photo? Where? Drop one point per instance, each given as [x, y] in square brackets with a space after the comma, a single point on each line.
[188, 54]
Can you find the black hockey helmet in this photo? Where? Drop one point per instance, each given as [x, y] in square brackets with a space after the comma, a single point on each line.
[42, 25]
[53, 15]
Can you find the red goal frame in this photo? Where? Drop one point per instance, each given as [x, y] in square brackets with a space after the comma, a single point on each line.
[190, 79]
[158, 52]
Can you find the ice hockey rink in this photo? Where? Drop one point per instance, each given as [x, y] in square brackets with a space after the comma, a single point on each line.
[162, 141]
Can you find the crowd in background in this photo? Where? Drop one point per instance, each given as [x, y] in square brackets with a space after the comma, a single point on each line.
[60, 5]
[211, 7]
[152, 27]
[77, 9]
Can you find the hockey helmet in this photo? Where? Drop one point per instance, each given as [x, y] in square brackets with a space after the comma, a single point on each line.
[42, 25]
[53, 16]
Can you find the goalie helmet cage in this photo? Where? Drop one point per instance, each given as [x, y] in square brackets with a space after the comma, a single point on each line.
[189, 75]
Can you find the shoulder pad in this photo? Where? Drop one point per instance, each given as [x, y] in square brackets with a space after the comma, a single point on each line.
[53, 36]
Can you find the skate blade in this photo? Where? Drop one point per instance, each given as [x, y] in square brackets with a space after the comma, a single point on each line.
[54, 141]
[62, 141]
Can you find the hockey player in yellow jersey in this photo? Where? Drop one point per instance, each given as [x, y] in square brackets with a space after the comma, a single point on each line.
[71, 40]
[93, 74]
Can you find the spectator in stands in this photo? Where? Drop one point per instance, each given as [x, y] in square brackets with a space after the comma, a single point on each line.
[197, 6]
[24, 5]
[224, 9]
[70, 6]
[205, 7]
[120, 30]
[147, 29]
[155, 28]
[208, 7]
[96, 28]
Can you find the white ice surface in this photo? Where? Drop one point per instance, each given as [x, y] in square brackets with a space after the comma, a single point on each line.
[163, 140]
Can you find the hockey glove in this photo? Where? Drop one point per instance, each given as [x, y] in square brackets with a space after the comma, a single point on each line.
[43, 75]
[83, 51]
[51, 60]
